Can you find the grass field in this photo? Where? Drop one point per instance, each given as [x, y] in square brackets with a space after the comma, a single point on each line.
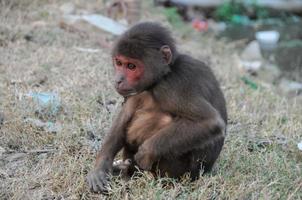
[260, 159]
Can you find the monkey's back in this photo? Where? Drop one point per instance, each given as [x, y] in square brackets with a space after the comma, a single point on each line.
[191, 80]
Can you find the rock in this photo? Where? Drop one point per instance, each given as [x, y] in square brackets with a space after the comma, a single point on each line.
[252, 52]
[251, 58]
[290, 88]
[67, 8]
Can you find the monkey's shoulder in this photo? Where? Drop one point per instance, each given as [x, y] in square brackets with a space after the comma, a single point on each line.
[187, 66]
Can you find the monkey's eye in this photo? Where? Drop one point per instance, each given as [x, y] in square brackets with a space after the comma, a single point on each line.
[118, 63]
[131, 66]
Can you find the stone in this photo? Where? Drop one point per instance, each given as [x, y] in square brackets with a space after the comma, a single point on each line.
[252, 52]
[251, 58]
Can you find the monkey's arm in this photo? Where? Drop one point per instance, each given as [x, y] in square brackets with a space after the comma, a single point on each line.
[113, 143]
[183, 134]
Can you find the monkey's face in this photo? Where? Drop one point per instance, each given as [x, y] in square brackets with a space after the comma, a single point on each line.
[129, 75]
[133, 75]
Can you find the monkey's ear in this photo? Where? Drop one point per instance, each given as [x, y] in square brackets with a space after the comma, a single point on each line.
[167, 54]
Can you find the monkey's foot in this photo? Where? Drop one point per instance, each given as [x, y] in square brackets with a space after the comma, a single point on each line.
[120, 166]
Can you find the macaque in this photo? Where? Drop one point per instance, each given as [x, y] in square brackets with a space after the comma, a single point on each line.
[174, 117]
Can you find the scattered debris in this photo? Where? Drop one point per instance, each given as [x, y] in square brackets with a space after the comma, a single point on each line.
[99, 21]
[290, 88]
[255, 143]
[200, 25]
[292, 5]
[87, 50]
[47, 104]
[268, 40]
[258, 143]
[249, 82]
[300, 145]
[47, 126]
[252, 52]
[251, 58]
[240, 20]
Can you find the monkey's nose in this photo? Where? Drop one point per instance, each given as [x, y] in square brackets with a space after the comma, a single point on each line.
[119, 80]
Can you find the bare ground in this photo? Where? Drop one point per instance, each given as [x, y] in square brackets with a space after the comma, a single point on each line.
[260, 159]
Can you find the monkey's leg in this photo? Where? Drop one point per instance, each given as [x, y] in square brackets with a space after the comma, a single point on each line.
[126, 166]
[172, 167]
[172, 141]
[192, 162]
[209, 154]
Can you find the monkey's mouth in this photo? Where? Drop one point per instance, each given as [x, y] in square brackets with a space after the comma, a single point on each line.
[127, 93]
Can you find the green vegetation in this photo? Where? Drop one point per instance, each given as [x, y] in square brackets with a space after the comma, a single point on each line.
[173, 17]
[239, 12]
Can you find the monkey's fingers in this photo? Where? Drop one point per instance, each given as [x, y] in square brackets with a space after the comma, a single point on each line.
[98, 182]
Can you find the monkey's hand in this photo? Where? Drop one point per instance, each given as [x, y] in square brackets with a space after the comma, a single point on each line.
[145, 157]
[98, 180]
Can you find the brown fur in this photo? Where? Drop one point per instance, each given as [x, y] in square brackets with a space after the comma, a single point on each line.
[174, 117]
[147, 119]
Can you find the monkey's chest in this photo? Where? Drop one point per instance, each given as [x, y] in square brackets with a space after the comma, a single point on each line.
[147, 121]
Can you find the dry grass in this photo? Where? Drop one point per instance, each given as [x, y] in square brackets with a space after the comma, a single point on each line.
[260, 159]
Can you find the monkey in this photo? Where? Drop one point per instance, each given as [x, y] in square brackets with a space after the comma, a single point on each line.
[174, 117]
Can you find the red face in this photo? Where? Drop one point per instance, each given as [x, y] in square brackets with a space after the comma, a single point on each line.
[128, 72]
